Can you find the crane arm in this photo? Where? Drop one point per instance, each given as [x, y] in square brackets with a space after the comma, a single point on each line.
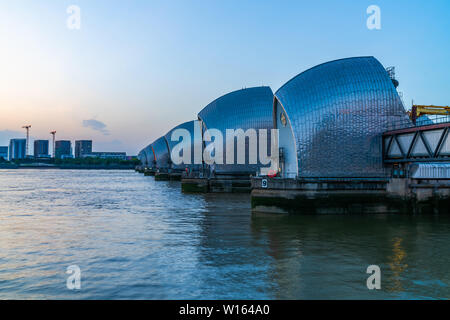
[419, 110]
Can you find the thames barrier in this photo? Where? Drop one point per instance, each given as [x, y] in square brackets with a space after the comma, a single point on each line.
[344, 143]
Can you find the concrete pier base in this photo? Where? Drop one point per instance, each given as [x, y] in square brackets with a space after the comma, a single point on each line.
[218, 184]
[349, 196]
[161, 176]
[139, 169]
[175, 176]
[194, 185]
[231, 185]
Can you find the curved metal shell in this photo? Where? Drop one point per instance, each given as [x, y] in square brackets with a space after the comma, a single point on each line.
[161, 153]
[244, 109]
[194, 138]
[142, 157]
[331, 118]
[149, 156]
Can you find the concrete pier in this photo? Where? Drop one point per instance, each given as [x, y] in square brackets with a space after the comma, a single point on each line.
[195, 185]
[226, 183]
[175, 176]
[139, 169]
[149, 172]
[345, 196]
[230, 184]
[161, 176]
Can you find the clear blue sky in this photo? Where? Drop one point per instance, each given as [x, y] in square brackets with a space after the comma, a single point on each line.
[138, 68]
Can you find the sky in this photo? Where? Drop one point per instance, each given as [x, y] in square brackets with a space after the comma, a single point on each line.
[135, 69]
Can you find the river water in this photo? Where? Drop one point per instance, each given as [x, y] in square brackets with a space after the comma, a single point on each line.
[134, 238]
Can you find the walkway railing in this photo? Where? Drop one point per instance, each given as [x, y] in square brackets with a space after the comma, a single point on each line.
[407, 123]
[426, 141]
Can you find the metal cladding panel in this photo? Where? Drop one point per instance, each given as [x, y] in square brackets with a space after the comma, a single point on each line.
[150, 157]
[244, 109]
[338, 111]
[142, 157]
[430, 171]
[161, 153]
[189, 126]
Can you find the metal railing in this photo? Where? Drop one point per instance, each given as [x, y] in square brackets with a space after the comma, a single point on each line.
[407, 123]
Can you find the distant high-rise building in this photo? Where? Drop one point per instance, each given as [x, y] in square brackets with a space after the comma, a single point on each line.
[41, 149]
[63, 149]
[4, 153]
[17, 148]
[82, 147]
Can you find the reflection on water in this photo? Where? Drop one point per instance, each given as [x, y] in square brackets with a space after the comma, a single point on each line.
[139, 239]
[397, 265]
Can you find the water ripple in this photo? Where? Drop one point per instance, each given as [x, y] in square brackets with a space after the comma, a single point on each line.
[134, 238]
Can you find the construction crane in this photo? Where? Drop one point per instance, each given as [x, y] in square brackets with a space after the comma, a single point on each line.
[27, 127]
[419, 110]
[53, 143]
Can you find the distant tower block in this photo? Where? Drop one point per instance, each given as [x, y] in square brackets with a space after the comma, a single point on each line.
[27, 127]
[53, 133]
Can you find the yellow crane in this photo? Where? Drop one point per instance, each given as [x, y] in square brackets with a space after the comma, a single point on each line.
[419, 110]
